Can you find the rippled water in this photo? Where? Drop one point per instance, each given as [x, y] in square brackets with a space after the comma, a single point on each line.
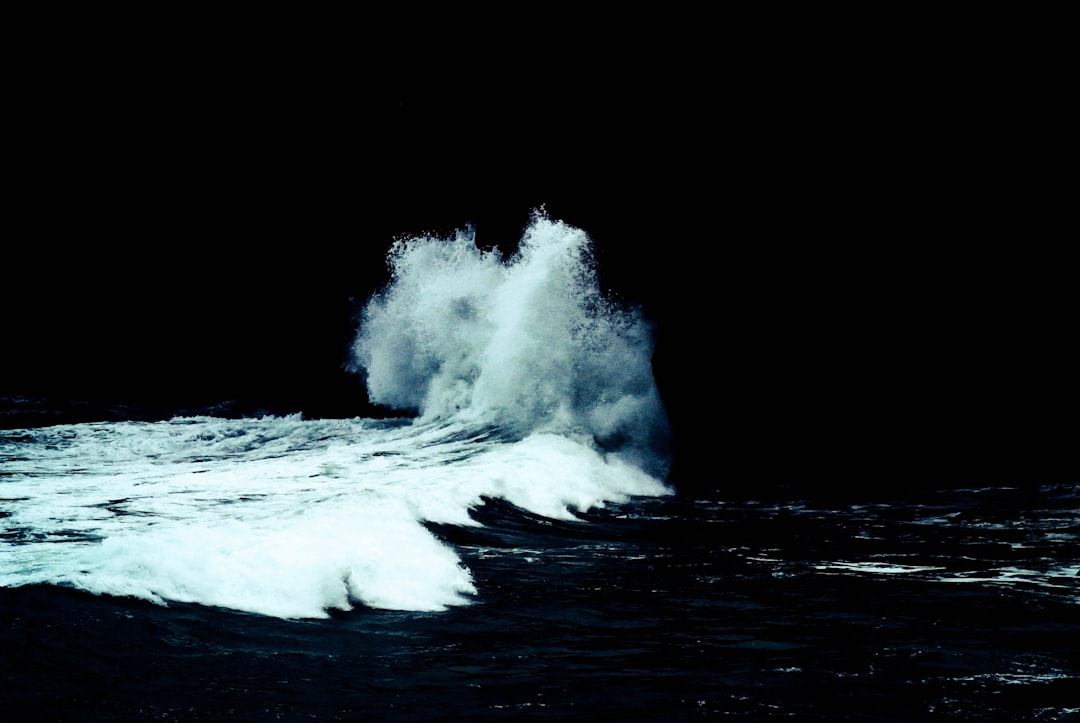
[958, 605]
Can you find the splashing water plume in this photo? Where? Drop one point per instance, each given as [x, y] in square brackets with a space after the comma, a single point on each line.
[527, 343]
[526, 385]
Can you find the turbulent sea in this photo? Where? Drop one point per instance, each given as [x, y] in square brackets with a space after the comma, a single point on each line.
[506, 545]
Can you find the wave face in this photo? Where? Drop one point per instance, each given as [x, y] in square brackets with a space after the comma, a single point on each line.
[280, 515]
[528, 343]
[527, 386]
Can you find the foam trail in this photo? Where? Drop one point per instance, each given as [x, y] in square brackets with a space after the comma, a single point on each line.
[278, 516]
[527, 385]
[527, 343]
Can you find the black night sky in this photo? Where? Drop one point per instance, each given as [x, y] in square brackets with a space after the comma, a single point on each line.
[850, 281]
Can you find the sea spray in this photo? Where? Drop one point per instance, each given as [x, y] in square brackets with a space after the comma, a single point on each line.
[280, 516]
[525, 384]
[527, 343]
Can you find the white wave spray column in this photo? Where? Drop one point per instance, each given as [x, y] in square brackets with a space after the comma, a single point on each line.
[528, 344]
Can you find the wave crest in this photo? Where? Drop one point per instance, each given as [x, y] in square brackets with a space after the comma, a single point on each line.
[527, 342]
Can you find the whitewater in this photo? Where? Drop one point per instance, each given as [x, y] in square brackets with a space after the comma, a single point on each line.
[508, 377]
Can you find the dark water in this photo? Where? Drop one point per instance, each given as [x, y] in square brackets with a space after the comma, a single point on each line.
[955, 605]
[934, 283]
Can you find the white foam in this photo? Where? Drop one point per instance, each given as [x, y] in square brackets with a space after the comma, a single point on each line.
[300, 567]
[527, 343]
[281, 516]
[529, 386]
[877, 568]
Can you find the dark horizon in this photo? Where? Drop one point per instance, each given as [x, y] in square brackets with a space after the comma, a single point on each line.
[841, 295]
[815, 364]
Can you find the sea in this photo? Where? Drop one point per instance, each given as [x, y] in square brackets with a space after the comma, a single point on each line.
[505, 542]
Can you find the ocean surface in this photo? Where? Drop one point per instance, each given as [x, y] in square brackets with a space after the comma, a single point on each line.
[504, 543]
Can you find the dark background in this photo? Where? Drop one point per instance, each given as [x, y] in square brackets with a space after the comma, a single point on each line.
[848, 250]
